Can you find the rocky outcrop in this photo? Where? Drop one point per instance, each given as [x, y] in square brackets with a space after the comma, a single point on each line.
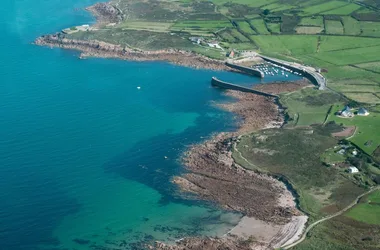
[215, 176]
[206, 243]
[105, 13]
[94, 48]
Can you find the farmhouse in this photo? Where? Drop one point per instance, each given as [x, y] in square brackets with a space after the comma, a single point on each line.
[196, 40]
[214, 44]
[346, 112]
[363, 112]
[353, 170]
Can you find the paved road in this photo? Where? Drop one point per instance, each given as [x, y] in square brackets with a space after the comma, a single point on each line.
[328, 218]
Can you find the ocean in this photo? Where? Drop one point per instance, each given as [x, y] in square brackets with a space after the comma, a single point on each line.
[86, 156]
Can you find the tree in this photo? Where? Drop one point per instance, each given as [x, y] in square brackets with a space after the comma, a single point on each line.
[266, 12]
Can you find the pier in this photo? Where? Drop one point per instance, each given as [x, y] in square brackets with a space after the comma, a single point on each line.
[247, 70]
[225, 85]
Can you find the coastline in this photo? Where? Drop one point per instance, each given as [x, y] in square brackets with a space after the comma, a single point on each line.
[101, 49]
[271, 217]
[213, 175]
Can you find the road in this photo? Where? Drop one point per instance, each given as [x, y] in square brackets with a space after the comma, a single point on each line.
[328, 218]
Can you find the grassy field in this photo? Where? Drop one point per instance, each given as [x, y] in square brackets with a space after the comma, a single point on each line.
[350, 56]
[342, 233]
[345, 10]
[308, 106]
[150, 26]
[334, 27]
[288, 45]
[295, 154]
[351, 26]
[308, 30]
[368, 211]
[370, 28]
[259, 25]
[246, 28]
[239, 36]
[367, 136]
[374, 66]
[323, 7]
[312, 21]
[274, 28]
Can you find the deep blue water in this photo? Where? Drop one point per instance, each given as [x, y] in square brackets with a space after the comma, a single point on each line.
[82, 150]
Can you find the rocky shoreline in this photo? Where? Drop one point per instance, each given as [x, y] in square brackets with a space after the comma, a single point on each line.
[94, 48]
[214, 175]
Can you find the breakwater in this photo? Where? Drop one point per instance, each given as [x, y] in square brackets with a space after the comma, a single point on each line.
[225, 85]
[313, 77]
[247, 70]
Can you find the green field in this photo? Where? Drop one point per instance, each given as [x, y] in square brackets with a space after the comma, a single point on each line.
[367, 136]
[345, 10]
[323, 7]
[288, 45]
[355, 86]
[274, 28]
[239, 36]
[350, 56]
[351, 26]
[295, 154]
[368, 211]
[308, 106]
[373, 66]
[370, 29]
[202, 25]
[150, 26]
[311, 30]
[259, 25]
[329, 43]
[226, 35]
[334, 27]
[246, 28]
[312, 21]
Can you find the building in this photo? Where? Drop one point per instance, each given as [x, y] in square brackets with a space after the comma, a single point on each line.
[196, 40]
[363, 112]
[231, 54]
[214, 44]
[353, 170]
[346, 112]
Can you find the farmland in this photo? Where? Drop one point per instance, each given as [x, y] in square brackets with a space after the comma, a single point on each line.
[308, 106]
[366, 136]
[368, 211]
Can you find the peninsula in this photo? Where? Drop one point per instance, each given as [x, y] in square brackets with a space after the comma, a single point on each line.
[289, 166]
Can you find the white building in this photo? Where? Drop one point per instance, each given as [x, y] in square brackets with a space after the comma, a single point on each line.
[214, 44]
[363, 112]
[353, 170]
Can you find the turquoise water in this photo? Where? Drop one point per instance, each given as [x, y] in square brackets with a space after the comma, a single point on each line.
[82, 150]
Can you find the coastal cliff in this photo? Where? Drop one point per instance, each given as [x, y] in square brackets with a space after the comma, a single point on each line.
[94, 48]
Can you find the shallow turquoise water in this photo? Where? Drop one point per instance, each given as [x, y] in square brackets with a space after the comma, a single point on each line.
[82, 150]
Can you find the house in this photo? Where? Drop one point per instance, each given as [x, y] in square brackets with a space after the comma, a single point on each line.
[353, 170]
[363, 112]
[231, 54]
[214, 44]
[196, 40]
[341, 152]
[346, 112]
